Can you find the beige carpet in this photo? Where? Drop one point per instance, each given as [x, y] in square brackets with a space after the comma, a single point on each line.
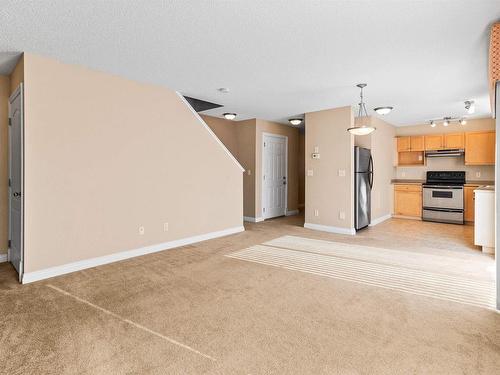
[402, 271]
[193, 310]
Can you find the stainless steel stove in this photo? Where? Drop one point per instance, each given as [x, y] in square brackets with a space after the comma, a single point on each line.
[443, 197]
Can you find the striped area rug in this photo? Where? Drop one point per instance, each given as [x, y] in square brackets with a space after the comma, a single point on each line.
[401, 271]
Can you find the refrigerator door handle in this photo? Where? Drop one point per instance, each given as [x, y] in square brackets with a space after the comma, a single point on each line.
[370, 171]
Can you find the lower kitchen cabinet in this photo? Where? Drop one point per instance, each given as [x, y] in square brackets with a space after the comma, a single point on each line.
[408, 200]
[469, 202]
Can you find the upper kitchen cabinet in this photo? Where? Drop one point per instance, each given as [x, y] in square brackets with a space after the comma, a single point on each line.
[413, 143]
[480, 148]
[434, 142]
[403, 144]
[454, 140]
[410, 150]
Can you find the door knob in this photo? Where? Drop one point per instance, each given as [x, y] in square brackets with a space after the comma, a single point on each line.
[17, 194]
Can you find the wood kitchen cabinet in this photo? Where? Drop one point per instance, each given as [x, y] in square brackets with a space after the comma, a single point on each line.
[480, 148]
[408, 200]
[434, 142]
[413, 143]
[469, 202]
[454, 140]
[403, 144]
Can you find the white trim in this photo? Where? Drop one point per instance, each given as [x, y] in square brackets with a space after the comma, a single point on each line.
[262, 197]
[327, 228]
[292, 212]
[380, 220]
[253, 219]
[198, 117]
[3, 258]
[30, 277]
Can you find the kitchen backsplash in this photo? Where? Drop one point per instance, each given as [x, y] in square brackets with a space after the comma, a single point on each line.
[487, 173]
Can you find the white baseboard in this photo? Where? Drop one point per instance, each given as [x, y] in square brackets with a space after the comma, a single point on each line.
[292, 212]
[326, 228]
[253, 219]
[3, 258]
[380, 220]
[30, 277]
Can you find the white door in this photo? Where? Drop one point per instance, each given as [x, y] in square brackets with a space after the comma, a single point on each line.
[16, 136]
[274, 175]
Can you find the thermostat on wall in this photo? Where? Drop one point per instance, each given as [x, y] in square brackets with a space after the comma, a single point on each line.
[315, 155]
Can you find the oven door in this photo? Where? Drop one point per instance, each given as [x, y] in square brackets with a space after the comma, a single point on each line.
[445, 197]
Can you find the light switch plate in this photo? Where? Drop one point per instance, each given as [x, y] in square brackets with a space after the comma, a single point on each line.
[249, 172]
[316, 149]
[341, 172]
[478, 174]
[309, 172]
[341, 215]
[316, 212]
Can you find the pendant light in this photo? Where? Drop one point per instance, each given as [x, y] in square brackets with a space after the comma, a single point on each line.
[363, 129]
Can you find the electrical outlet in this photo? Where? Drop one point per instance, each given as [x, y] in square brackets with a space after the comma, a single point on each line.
[341, 215]
[141, 230]
[309, 172]
[165, 227]
[316, 212]
[478, 174]
[341, 172]
[249, 172]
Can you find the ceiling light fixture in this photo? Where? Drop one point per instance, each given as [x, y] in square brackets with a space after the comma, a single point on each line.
[463, 121]
[295, 121]
[223, 90]
[433, 124]
[363, 129]
[446, 121]
[229, 116]
[470, 106]
[383, 110]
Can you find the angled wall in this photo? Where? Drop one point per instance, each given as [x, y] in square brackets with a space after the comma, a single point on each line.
[105, 156]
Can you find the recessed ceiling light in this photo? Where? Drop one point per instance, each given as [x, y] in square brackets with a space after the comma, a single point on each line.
[470, 106]
[224, 90]
[229, 116]
[383, 110]
[463, 121]
[295, 121]
[433, 124]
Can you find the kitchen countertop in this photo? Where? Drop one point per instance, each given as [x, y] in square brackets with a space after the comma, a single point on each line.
[417, 182]
[489, 188]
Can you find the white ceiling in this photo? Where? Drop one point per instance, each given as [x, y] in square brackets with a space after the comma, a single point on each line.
[279, 58]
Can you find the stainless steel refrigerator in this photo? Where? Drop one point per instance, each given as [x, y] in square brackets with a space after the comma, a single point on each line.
[363, 183]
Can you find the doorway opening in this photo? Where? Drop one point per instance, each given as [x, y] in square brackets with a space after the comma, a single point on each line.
[16, 181]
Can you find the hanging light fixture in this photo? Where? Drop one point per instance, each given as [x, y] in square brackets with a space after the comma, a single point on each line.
[446, 121]
[433, 124]
[362, 129]
[463, 121]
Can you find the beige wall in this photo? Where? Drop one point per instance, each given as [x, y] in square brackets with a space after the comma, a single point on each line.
[302, 168]
[381, 145]
[5, 91]
[443, 164]
[239, 138]
[326, 191]
[293, 167]
[105, 155]
[244, 138]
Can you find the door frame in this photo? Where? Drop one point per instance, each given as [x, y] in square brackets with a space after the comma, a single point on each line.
[262, 198]
[17, 92]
